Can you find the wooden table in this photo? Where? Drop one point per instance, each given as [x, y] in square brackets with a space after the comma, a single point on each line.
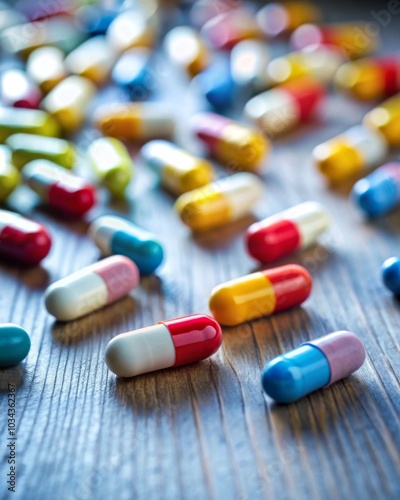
[206, 430]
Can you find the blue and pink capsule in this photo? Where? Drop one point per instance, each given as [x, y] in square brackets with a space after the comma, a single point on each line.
[391, 274]
[312, 366]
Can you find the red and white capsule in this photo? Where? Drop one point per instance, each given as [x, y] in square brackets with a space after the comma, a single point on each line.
[168, 344]
[286, 232]
[18, 91]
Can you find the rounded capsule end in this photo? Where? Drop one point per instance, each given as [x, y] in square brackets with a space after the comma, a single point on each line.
[391, 274]
[282, 380]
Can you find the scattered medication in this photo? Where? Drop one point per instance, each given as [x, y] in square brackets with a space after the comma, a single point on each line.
[312, 366]
[14, 345]
[91, 288]
[386, 119]
[114, 235]
[168, 344]
[18, 91]
[217, 86]
[248, 63]
[220, 202]
[391, 274]
[134, 73]
[260, 294]
[29, 121]
[45, 66]
[9, 175]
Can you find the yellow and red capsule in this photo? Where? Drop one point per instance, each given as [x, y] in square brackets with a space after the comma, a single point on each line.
[386, 119]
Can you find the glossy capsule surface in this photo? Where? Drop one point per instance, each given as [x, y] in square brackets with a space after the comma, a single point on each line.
[29, 147]
[260, 294]
[286, 232]
[91, 288]
[348, 154]
[168, 344]
[178, 170]
[132, 28]
[220, 202]
[114, 235]
[186, 49]
[9, 175]
[14, 344]
[386, 119]
[248, 62]
[234, 145]
[216, 85]
[29, 121]
[133, 72]
[391, 274]
[23, 240]
[312, 366]
[59, 189]
[46, 67]
[17, 90]
[286, 106]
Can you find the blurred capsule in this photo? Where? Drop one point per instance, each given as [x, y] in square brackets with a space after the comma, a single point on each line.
[348, 154]
[9, 175]
[386, 119]
[204, 10]
[95, 19]
[132, 71]
[391, 274]
[249, 60]
[132, 28]
[217, 86]
[18, 91]
[9, 17]
[38, 11]
[46, 67]
[29, 121]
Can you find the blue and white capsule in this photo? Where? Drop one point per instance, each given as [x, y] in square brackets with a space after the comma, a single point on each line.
[391, 274]
[216, 84]
[133, 73]
[117, 236]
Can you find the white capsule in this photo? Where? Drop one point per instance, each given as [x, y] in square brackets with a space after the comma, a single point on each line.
[249, 60]
[46, 67]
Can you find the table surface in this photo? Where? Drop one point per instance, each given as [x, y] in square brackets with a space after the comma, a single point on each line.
[206, 430]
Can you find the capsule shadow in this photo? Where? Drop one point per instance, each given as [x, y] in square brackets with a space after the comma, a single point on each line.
[33, 277]
[12, 376]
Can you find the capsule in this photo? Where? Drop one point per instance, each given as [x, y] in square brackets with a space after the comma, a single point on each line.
[282, 234]
[220, 202]
[178, 170]
[29, 121]
[186, 49]
[391, 274]
[260, 294]
[168, 344]
[28, 147]
[95, 19]
[203, 10]
[111, 163]
[370, 79]
[248, 61]
[9, 17]
[136, 121]
[38, 11]
[18, 91]
[23, 240]
[386, 119]
[14, 345]
[348, 154]
[59, 189]
[45, 66]
[217, 86]
[133, 72]
[68, 101]
[91, 288]
[312, 366]
[286, 106]
[234, 145]
[132, 28]
[9, 175]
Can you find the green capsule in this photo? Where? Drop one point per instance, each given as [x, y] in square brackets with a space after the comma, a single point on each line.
[111, 163]
[9, 175]
[14, 345]
[28, 121]
[29, 147]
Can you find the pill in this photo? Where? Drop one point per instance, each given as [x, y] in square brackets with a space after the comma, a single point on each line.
[9, 17]
[58, 188]
[39, 11]
[95, 19]
[215, 83]
[248, 61]
[220, 202]
[29, 121]
[46, 67]
[114, 235]
[23, 240]
[186, 49]
[203, 10]
[286, 106]
[276, 19]
[379, 192]
[136, 121]
[168, 344]
[386, 119]
[28, 147]
[14, 344]
[286, 232]
[9, 175]
[133, 72]
[111, 163]
[370, 79]
[91, 288]
[347, 155]
[178, 170]
[353, 38]
[260, 294]
[18, 91]
[68, 101]
[93, 59]
[391, 274]
[312, 366]
[234, 145]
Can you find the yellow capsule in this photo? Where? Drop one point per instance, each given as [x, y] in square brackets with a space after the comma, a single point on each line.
[29, 121]
[132, 28]
[9, 175]
[281, 18]
[348, 154]
[45, 66]
[111, 163]
[220, 202]
[386, 119]
[68, 101]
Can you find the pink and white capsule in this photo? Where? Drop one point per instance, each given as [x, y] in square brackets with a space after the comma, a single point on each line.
[91, 288]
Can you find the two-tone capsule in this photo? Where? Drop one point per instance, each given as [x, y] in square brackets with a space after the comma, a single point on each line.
[9, 175]
[133, 72]
[178, 170]
[14, 344]
[18, 91]
[312, 366]
[58, 188]
[168, 344]
[236, 146]
[46, 67]
[286, 232]
[391, 274]
[28, 121]
[114, 235]
[23, 240]
[260, 294]
[91, 288]
[220, 202]
[385, 118]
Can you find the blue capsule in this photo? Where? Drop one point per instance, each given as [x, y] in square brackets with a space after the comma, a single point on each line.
[391, 274]
[14, 345]
[117, 236]
[216, 84]
[95, 19]
[132, 72]
[379, 192]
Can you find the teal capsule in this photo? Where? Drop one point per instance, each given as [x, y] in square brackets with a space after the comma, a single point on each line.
[14, 345]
